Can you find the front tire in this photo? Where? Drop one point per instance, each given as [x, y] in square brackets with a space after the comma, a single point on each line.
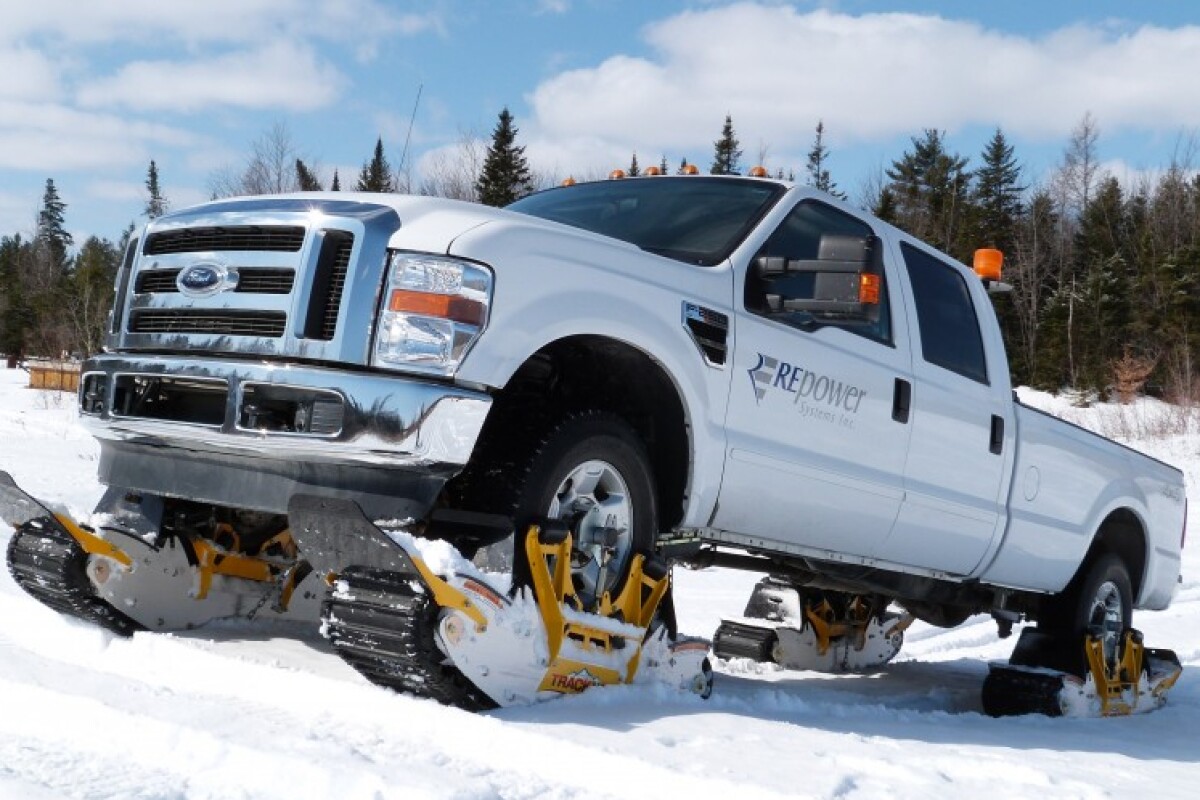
[592, 471]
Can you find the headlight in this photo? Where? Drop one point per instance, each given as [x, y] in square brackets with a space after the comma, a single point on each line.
[434, 308]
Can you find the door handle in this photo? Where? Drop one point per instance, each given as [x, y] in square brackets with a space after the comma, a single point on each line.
[997, 443]
[901, 401]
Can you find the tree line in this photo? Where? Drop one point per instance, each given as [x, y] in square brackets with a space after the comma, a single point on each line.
[1105, 277]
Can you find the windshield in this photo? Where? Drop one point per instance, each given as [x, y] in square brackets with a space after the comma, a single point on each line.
[697, 220]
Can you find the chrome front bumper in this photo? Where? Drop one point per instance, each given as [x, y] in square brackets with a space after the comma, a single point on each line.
[250, 434]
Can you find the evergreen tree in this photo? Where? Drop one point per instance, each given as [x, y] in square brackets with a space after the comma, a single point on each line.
[306, 181]
[634, 169]
[336, 185]
[885, 206]
[89, 295]
[931, 188]
[52, 236]
[505, 174]
[1030, 269]
[156, 204]
[16, 317]
[818, 173]
[663, 165]
[1102, 287]
[998, 194]
[726, 152]
[376, 175]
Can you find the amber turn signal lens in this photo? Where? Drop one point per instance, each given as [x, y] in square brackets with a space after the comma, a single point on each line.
[446, 306]
[868, 289]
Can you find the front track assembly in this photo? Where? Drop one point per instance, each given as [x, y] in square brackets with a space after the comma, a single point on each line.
[455, 639]
[47, 559]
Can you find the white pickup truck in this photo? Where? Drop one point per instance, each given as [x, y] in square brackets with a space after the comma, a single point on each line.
[737, 371]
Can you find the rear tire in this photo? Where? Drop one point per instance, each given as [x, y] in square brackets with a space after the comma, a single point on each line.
[1100, 599]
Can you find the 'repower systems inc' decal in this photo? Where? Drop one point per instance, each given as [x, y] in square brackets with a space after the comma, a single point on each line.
[815, 395]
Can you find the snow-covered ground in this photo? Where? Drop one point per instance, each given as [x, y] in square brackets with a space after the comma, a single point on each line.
[246, 711]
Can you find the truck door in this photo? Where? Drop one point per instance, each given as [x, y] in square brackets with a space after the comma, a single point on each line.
[961, 425]
[816, 432]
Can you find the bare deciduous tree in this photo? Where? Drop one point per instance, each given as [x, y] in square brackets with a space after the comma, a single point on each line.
[453, 172]
[1081, 166]
[270, 168]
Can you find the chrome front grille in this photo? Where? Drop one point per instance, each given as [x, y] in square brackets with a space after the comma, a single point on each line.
[219, 322]
[272, 277]
[254, 238]
[251, 280]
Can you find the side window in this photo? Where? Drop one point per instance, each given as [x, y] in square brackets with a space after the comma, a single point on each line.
[949, 328]
[812, 232]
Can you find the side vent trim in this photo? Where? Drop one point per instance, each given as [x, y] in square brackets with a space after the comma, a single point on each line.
[709, 330]
[329, 282]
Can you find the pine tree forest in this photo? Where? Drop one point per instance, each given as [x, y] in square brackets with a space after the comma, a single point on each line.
[1104, 276]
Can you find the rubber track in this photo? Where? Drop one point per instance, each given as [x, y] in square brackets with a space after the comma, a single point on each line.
[49, 564]
[737, 640]
[385, 629]
[1009, 692]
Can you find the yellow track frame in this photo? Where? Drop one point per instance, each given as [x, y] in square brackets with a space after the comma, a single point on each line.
[1117, 683]
[554, 592]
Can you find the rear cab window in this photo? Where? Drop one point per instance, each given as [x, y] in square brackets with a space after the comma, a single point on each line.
[949, 326]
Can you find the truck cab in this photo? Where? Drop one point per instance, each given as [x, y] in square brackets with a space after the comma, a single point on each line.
[870, 388]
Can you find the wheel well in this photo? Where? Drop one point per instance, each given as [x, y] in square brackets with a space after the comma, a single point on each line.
[1122, 534]
[581, 373]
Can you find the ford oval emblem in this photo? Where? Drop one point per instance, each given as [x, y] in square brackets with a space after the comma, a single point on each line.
[205, 279]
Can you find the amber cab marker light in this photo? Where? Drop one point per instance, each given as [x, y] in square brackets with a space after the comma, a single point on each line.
[653, 172]
[988, 262]
[758, 172]
[616, 174]
[569, 181]
[446, 306]
[691, 169]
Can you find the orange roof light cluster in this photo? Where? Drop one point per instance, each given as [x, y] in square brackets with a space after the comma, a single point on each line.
[616, 175]
[652, 171]
[689, 169]
[758, 172]
[570, 181]
[988, 262]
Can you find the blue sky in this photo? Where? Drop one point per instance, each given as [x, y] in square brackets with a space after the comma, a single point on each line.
[90, 92]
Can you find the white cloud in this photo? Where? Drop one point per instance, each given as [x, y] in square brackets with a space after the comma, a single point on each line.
[279, 75]
[553, 6]
[869, 77]
[211, 21]
[40, 136]
[26, 75]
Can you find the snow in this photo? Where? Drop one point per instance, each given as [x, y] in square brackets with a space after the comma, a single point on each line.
[262, 710]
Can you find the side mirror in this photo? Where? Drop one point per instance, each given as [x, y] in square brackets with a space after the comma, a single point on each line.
[836, 282]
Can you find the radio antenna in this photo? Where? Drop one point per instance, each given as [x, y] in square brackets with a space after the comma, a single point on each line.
[411, 120]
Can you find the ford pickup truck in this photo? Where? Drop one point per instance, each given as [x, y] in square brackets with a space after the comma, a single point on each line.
[732, 371]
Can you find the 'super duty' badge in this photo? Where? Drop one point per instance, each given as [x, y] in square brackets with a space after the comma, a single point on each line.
[206, 279]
